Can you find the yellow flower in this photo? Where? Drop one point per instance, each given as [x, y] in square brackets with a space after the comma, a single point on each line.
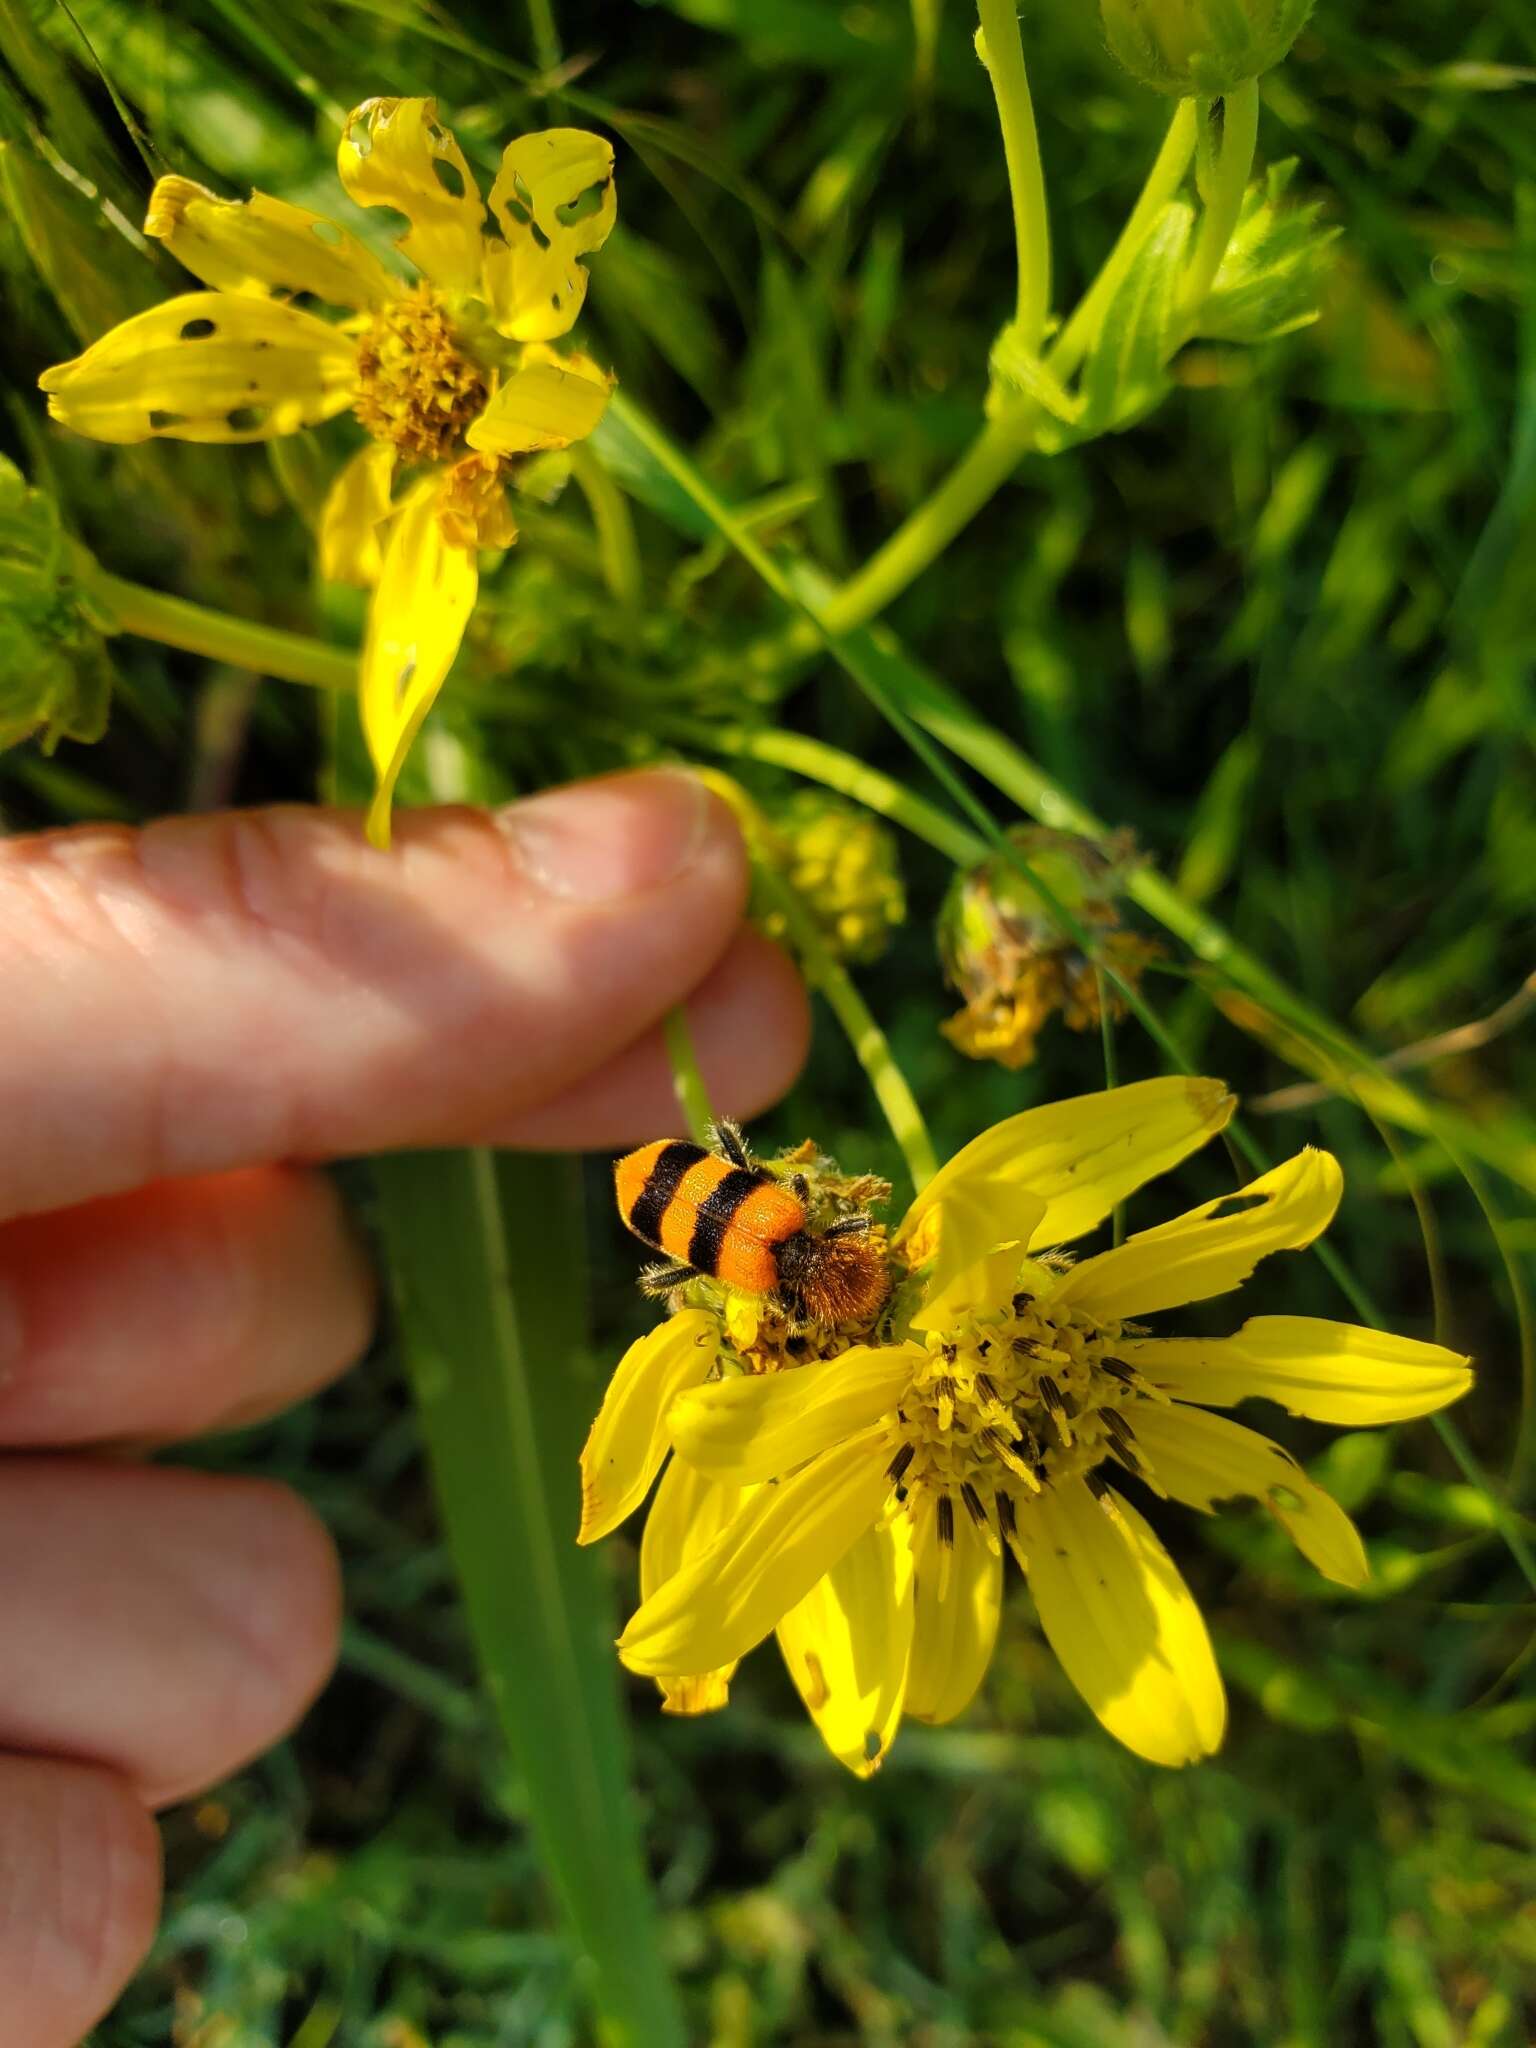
[842, 861]
[451, 377]
[873, 1494]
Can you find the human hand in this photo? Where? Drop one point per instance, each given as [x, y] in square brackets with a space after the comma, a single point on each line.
[186, 1014]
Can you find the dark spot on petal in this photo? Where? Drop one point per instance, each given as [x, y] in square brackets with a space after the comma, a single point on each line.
[160, 421]
[245, 419]
[198, 330]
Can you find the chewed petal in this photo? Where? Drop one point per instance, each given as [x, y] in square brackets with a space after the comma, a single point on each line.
[1204, 1460]
[728, 1597]
[686, 1516]
[554, 202]
[356, 506]
[549, 401]
[959, 1596]
[846, 1645]
[209, 366]
[759, 1426]
[1080, 1156]
[263, 245]
[1124, 1624]
[1211, 1249]
[397, 153]
[426, 592]
[1332, 1372]
[629, 1439]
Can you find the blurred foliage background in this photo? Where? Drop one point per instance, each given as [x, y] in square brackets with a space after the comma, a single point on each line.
[1283, 630]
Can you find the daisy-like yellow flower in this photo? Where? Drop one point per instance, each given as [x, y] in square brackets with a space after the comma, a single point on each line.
[452, 376]
[861, 1503]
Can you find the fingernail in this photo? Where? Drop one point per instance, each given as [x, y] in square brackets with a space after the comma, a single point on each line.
[617, 837]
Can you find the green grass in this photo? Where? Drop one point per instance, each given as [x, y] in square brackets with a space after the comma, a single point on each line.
[1282, 629]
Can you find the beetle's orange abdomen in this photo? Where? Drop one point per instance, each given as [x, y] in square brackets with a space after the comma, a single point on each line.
[716, 1217]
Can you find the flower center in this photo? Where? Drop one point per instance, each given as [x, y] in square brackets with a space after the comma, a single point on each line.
[1009, 1403]
[417, 388]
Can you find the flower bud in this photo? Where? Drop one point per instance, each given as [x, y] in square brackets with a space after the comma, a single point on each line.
[1004, 953]
[842, 862]
[1200, 49]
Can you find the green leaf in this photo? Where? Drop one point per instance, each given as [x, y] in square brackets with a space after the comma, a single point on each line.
[487, 1263]
[55, 678]
[1270, 277]
[1126, 374]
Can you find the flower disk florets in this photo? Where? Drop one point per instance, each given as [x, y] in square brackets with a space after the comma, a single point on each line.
[1012, 1400]
[416, 387]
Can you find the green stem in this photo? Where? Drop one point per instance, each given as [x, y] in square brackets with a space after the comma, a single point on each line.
[1002, 444]
[687, 1078]
[855, 779]
[1077, 338]
[1224, 200]
[827, 975]
[546, 36]
[1004, 51]
[921, 538]
[264, 650]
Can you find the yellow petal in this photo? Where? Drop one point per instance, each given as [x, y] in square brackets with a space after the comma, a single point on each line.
[970, 1268]
[356, 506]
[1081, 1156]
[1205, 1459]
[959, 1595]
[264, 245]
[534, 282]
[1332, 1372]
[397, 153]
[1211, 1249]
[768, 1556]
[426, 592]
[549, 401]
[846, 1644]
[208, 366]
[759, 1426]
[1123, 1623]
[629, 1439]
[686, 1516]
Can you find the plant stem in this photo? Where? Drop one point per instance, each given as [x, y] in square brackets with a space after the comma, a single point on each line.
[921, 538]
[687, 1080]
[1077, 338]
[1026, 175]
[1004, 441]
[196, 629]
[1224, 200]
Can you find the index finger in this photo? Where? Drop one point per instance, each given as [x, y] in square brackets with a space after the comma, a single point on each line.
[226, 991]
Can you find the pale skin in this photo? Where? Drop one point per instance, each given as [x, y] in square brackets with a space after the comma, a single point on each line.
[192, 1018]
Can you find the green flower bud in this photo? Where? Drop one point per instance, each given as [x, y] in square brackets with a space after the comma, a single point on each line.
[55, 678]
[1200, 49]
[843, 863]
[1004, 953]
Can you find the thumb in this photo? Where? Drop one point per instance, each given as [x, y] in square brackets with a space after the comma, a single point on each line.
[223, 991]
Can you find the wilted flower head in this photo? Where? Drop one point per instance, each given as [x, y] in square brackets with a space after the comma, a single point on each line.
[1201, 48]
[842, 863]
[452, 377]
[1004, 952]
[857, 1491]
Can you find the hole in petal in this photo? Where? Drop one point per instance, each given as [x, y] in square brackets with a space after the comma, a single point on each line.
[160, 421]
[360, 138]
[582, 207]
[449, 176]
[1234, 1205]
[245, 419]
[326, 231]
[198, 330]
